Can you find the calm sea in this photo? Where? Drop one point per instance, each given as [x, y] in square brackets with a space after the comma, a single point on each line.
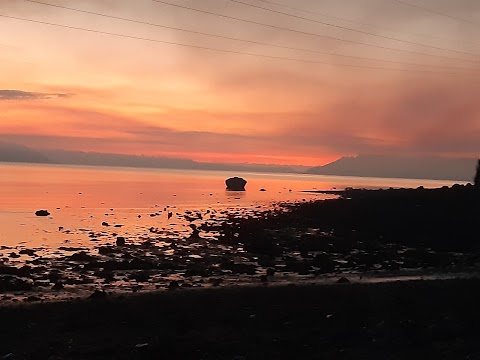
[81, 198]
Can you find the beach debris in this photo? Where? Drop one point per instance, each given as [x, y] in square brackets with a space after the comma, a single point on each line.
[236, 184]
[42, 213]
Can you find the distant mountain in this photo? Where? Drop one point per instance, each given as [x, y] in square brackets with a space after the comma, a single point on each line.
[119, 160]
[101, 159]
[19, 153]
[436, 168]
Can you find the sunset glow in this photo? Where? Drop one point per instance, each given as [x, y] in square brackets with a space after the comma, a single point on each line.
[76, 90]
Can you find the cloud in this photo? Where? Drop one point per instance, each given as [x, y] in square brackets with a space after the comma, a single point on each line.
[28, 95]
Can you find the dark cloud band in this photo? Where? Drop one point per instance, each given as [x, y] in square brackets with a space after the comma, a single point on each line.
[27, 95]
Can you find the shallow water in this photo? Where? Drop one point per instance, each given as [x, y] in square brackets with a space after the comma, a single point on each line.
[81, 198]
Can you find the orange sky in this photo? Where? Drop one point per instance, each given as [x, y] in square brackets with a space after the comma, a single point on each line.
[84, 91]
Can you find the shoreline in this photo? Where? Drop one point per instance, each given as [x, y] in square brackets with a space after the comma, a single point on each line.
[378, 232]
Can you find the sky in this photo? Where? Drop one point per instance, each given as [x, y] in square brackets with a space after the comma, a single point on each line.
[403, 79]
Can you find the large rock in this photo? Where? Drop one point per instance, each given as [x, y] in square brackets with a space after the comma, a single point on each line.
[236, 184]
[42, 213]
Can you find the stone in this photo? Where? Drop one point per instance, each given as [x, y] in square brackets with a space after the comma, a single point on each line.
[270, 272]
[42, 213]
[28, 252]
[120, 241]
[236, 184]
[343, 280]
[14, 283]
[174, 285]
[98, 294]
[57, 286]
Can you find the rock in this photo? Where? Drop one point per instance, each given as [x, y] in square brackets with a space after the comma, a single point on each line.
[81, 256]
[236, 184]
[106, 250]
[215, 282]
[14, 283]
[120, 241]
[343, 280]
[263, 190]
[270, 272]
[174, 285]
[195, 232]
[98, 294]
[57, 286]
[42, 213]
[105, 223]
[27, 252]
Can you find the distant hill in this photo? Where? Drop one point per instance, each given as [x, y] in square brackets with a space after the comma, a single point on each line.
[100, 159]
[19, 153]
[436, 168]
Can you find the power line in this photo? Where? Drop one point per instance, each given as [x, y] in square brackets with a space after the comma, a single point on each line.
[435, 12]
[311, 34]
[355, 22]
[241, 40]
[354, 30]
[221, 50]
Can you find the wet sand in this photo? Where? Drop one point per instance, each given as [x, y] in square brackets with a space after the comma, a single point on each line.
[402, 320]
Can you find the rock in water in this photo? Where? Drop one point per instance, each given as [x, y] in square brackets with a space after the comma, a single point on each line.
[236, 184]
[42, 213]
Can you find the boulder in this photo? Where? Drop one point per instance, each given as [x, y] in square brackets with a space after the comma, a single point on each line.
[236, 184]
[42, 213]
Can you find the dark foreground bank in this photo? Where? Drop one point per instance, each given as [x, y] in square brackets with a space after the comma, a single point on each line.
[409, 320]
